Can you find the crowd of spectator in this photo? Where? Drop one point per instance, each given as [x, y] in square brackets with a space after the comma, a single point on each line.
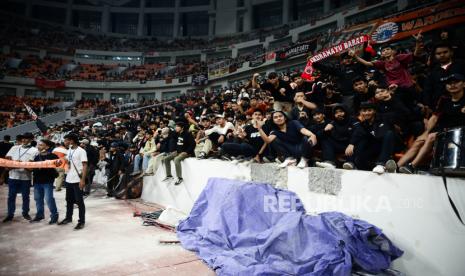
[13, 111]
[366, 112]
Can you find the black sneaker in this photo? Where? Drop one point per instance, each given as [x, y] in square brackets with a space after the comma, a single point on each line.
[179, 181]
[407, 169]
[225, 157]
[53, 220]
[65, 221]
[36, 219]
[79, 226]
[27, 216]
[7, 219]
[168, 177]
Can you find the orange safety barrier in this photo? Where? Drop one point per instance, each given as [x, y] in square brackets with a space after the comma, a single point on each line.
[30, 165]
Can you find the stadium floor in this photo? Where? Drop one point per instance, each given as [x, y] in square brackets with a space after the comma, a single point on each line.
[112, 243]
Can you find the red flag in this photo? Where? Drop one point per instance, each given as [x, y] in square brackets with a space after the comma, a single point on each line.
[308, 71]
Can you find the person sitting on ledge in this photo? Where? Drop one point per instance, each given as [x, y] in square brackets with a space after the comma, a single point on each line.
[373, 143]
[289, 139]
[185, 146]
[251, 142]
[337, 135]
[449, 113]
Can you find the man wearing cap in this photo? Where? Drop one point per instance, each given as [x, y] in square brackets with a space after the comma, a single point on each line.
[115, 166]
[75, 180]
[20, 179]
[449, 113]
[184, 148]
[280, 90]
[337, 136]
[43, 183]
[373, 143]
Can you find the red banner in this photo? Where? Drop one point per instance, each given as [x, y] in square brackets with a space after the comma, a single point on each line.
[426, 19]
[50, 84]
[337, 49]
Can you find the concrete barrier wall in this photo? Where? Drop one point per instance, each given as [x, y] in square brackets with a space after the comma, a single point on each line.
[413, 210]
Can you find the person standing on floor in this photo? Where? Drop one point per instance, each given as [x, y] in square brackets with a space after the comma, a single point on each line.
[92, 156]
[43, 183]
[75, 181]
[115, 166]
[5, 146]
[20, 179]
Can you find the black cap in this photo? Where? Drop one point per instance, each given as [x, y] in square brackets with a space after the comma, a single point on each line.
[367, 105]
[339, 106]
[49, 143]
[28, 135]
[455, 76]
[317, 110]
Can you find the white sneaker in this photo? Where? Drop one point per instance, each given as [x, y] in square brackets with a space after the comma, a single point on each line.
[288, 162]
[234, 161]
[379, 169]
[325, 165]
[348, 166]
[391, 166]
[302, 163]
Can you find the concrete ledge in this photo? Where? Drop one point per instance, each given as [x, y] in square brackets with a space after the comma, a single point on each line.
[413, 210]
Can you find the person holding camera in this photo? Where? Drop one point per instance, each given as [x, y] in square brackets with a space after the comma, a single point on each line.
[301, 105]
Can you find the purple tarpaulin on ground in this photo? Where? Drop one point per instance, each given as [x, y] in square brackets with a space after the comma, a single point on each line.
[233, 228]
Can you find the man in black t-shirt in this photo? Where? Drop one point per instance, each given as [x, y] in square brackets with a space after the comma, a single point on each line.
[281, 92]
[449, 113]
[5, 146]
[43, 183]
[252, 142]
[362, 92]
[301, 105]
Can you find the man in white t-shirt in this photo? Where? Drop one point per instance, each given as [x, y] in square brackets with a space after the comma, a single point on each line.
[217, 134]
[20, 179]
[75, 180]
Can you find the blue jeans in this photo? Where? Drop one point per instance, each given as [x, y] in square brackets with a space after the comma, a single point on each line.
[145, 161]
[15, 186]
[41, 191]
[137, 160]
